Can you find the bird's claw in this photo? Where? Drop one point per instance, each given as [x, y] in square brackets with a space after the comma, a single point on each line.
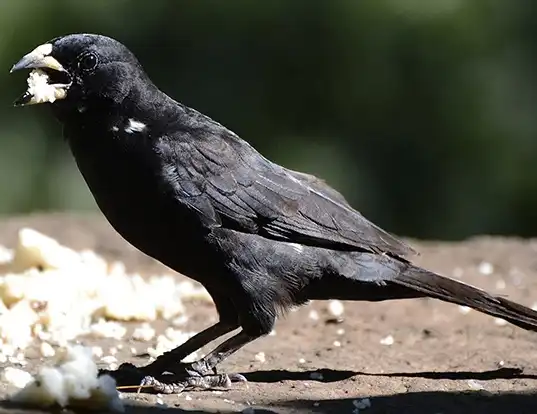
[203, 382]
[190, 376]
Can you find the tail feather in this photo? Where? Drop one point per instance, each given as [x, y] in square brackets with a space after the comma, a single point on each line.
[453, 291]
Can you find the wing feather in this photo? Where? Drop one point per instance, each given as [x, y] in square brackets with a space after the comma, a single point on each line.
[243, 190]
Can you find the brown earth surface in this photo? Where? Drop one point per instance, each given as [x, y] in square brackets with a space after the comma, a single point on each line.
[439, 358]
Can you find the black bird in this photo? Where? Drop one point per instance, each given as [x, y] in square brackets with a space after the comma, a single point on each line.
[189, 192]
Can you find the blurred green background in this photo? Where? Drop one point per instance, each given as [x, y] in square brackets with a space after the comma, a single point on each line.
[422, 112]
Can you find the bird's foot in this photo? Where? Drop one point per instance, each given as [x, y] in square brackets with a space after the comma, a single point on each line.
[185, 376]
[176, 385]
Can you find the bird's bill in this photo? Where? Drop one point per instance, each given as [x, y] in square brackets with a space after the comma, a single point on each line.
[45, 67]
[38, 58]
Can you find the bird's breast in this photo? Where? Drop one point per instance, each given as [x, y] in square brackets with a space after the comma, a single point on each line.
[124, 181]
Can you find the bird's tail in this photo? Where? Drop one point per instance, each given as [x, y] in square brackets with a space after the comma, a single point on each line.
[450, 290]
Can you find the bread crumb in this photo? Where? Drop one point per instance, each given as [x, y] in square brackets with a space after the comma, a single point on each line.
[71, 381]
[143, 333]
[46, 350]
[16, 377]
[32, 306]
[486, 268]
[387, 340]
[475, 385]
[335, 307]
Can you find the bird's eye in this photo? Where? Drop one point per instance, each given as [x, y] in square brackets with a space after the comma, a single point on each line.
[88, 62]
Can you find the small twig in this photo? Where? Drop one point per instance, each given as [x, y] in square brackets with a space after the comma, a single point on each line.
[128, 387]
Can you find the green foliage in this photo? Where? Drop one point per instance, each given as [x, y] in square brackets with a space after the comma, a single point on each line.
[421, 112]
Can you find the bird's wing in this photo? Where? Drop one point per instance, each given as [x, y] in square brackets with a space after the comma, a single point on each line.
[231, 185]
[320, 185]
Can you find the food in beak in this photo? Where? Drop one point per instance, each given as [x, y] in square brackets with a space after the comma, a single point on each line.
[47, 82]
[40, 90]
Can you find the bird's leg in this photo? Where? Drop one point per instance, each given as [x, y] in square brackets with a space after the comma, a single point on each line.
[128, 374]
[224, 350]
[168, 360]
[200, 374]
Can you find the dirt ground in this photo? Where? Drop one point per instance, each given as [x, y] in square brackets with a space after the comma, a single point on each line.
[439, 359]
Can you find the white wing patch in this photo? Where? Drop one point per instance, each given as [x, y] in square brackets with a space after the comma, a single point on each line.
[134, 126]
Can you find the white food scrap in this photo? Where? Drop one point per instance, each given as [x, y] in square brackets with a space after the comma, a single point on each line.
[97, 351]
[71, 381]
[171, 339]
[41, 90]
[486, 268]
[475, 385]
[108, 329]
[260, 356]
[51, 293]
[47, 350]
[387, 340]
[16, 377]
[109, 359]
[314, 315]
[335, 307]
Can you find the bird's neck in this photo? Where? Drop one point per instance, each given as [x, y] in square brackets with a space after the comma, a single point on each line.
[147, 104]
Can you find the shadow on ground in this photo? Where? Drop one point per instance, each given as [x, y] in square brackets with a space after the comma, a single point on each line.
[409, 403]
[474, 402]
[329, 375]
[424, 402]
[11, 408]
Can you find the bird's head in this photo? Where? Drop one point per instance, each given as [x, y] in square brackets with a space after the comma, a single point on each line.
[78, 68]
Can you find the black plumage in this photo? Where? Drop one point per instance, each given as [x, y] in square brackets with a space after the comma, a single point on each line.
[190, 193]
